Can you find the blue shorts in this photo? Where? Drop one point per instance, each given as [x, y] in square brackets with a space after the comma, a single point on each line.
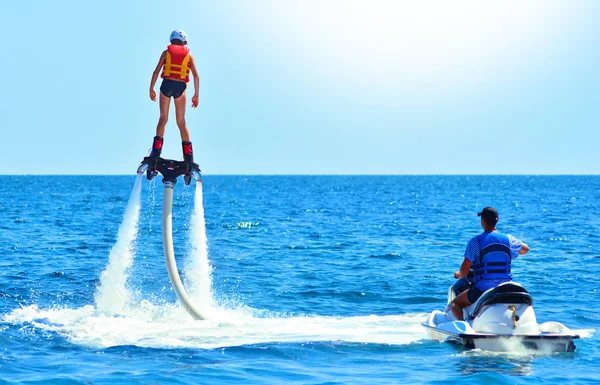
[474, 294]
[461, 285]
[464, 283]
[172, 88]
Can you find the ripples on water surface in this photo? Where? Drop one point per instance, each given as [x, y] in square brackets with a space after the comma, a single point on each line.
[314, 279]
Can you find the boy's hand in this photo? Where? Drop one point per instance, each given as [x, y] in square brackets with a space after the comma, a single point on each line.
[195, 101]
[153, 95]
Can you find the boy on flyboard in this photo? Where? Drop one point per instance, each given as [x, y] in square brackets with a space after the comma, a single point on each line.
[176, 62]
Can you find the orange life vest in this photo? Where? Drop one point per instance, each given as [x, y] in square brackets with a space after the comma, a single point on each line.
[177, 63]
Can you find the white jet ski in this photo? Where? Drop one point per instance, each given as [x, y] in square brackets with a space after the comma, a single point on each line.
[502, 319]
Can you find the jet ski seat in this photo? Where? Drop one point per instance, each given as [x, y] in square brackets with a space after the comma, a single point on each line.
[508, 292]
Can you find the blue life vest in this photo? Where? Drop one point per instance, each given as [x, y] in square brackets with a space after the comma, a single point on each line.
[494, 258]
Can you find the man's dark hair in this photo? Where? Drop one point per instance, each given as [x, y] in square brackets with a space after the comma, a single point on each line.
[491, 222]
[177, 42]
[490, 215]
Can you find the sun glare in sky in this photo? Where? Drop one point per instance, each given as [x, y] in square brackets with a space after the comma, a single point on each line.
[390, 42]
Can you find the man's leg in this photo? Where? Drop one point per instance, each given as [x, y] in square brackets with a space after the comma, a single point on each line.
[459, 303]
[461, 285]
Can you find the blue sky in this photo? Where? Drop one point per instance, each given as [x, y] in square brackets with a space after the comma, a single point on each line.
[307, 87]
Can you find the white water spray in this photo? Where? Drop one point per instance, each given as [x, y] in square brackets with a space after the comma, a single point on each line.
[198, 271]
[112, 296]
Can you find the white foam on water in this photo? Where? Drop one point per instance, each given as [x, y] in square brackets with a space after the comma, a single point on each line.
[514, 346]
[171, 327]
[112, 295]
[584, 333]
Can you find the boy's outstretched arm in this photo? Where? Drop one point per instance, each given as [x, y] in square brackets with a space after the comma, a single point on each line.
[195, 98]
[155, 75]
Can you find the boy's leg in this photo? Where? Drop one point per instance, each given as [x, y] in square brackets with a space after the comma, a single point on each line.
[164, 103]
[180, 117]
[188, 152]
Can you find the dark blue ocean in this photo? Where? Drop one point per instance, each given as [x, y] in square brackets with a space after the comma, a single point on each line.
[305, 279]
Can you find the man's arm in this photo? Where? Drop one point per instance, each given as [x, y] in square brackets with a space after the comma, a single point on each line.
[471, 252]
[195, 98]
[464, 269]
[517, 247]
[155, 75]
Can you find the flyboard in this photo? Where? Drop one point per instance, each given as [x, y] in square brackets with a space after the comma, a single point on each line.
[171, 170]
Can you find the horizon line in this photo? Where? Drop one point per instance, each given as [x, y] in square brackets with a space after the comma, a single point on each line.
[340, 174]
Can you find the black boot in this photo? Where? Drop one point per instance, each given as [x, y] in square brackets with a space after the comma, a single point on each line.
[157, 146]
[152, 159]
[188, 152]
[188, 157]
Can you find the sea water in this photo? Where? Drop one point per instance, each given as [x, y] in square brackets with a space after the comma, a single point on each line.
[306, 279]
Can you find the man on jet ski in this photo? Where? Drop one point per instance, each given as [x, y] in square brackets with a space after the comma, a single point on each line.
[490, 255]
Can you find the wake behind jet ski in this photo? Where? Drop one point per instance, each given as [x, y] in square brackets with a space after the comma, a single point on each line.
[502, 319]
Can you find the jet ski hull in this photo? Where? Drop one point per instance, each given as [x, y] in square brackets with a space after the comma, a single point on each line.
[544, 342]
